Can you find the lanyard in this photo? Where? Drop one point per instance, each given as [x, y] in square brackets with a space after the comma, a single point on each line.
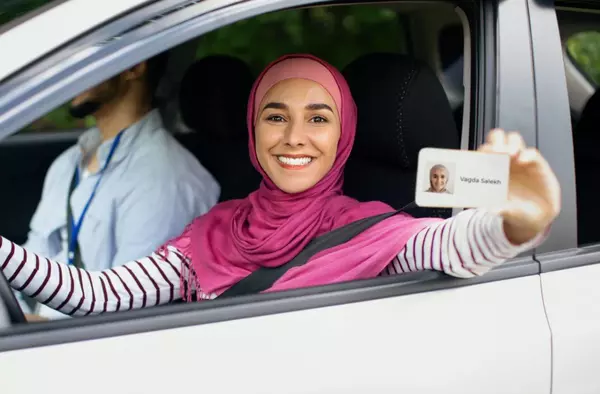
[75, 227]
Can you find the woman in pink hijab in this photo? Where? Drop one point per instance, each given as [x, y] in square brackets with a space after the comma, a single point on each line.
[301, 124]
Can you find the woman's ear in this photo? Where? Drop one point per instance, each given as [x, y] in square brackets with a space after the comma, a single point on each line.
[135, 72]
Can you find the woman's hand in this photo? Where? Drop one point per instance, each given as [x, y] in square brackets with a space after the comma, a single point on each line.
[533, 189]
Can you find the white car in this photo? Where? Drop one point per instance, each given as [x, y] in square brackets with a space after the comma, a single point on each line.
[531, 326]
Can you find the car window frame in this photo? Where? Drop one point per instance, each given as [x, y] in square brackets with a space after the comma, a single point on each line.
[559, 255]
[102, 31]
[154, 38]
[553, 119]
[42, 136]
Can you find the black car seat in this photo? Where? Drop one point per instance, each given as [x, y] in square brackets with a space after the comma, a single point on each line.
[402, 107]
[213, 99]
[586, 139]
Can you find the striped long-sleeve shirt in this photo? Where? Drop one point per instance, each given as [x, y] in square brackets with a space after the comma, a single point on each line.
[467, 245]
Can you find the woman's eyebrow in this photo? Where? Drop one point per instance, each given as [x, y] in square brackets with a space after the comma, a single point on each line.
[275, 105]
[316, 107]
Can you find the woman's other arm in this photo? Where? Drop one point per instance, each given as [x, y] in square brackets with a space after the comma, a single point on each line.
[152, 280]
[467, 245]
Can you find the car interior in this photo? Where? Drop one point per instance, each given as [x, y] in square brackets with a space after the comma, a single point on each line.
[584, 100]
[203, 86]
[407, 99]
[411, 111]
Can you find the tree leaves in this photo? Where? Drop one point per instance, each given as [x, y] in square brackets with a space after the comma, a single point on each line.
[584, 50]
[12, 9]
[338, 34]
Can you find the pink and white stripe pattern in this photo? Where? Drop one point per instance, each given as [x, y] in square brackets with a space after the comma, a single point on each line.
[467, 245]
[470, 244]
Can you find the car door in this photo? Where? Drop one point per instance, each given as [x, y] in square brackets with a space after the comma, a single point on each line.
[418, 333]
[570, 270]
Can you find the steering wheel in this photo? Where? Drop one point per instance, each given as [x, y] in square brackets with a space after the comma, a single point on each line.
[10, 301]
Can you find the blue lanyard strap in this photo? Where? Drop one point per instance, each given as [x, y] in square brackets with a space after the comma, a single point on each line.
[75, 227]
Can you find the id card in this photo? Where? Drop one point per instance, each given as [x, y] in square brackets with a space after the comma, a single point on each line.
[449, 178]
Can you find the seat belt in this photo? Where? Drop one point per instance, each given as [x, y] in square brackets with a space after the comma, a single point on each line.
[264, 277]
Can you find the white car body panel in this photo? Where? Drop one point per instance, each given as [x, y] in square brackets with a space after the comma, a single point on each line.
[490, 338]
[570, 297]
[44, 33]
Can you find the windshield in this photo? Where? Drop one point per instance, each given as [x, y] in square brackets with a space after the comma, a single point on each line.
[10, 10]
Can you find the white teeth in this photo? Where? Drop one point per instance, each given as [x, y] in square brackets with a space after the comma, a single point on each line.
[294, 161]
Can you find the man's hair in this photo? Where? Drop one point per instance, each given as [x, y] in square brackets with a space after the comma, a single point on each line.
[155, 70]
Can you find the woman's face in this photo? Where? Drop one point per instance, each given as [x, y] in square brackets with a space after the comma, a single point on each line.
[438, 179]
[297, 132]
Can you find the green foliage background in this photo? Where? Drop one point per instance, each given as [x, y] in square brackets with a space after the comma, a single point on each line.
[338, 34]
[584, 49]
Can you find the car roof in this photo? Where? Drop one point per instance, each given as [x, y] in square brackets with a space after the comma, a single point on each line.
[42, 33]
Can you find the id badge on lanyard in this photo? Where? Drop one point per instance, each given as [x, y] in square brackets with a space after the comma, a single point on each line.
[74, 254]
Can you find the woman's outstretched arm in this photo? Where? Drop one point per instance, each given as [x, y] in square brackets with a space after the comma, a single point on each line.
[466, 245]
[152, 280]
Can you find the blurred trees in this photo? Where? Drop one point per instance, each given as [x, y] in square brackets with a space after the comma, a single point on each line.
[584, 49]
[13, 9]
[338, 34]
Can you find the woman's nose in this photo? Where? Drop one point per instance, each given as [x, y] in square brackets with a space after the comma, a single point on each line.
[294, 134]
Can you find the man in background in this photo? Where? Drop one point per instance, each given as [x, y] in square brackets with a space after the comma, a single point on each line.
[130, 186]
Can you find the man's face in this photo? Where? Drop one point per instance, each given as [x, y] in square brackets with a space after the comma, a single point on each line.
[90, 101]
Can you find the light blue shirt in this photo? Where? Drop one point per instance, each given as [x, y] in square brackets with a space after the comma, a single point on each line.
[152, 188]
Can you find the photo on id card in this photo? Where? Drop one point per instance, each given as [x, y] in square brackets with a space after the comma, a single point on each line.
[449, 178]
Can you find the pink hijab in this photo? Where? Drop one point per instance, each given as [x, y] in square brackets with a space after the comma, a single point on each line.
[270, 227]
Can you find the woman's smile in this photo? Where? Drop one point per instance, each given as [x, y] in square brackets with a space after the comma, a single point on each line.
[294, 162]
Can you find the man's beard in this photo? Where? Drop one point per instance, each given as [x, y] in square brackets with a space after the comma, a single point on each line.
[84, 109]
[100, 95]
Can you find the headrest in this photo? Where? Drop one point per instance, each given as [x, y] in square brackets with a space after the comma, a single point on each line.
[402, 107]
[214, 95]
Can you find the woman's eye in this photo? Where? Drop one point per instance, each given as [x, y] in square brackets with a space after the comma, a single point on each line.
[275, 118]
[318, 119]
